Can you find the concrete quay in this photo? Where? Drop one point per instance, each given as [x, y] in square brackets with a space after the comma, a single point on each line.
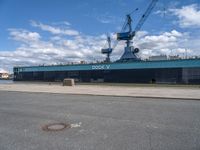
[107, 90]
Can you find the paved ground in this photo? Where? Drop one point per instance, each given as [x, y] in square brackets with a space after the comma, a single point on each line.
[103, 122]
[135, 91]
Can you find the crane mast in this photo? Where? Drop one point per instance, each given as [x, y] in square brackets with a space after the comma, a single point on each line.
[129, 51]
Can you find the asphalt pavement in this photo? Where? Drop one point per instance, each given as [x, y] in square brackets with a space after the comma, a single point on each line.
[97, 122]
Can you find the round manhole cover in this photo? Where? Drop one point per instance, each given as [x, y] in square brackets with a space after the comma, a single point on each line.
[55, 126]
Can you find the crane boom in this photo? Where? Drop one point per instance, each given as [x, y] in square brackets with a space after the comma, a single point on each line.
[145, 15]
[129, 51]
[130, 34]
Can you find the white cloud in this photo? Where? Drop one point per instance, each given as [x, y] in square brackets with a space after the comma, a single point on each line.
[189, 16]
[157, 44]
[3, 71]
[54, 30]
[24, 35]
[34, 51]
[166, 39]
[62, 23]
[106, 19]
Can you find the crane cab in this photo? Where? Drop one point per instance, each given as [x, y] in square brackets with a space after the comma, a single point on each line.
[106, 50]
[124, 36]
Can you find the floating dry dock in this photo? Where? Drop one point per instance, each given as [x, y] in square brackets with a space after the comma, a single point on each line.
[186, 71]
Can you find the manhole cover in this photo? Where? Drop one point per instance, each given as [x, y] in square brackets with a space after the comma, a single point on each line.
[55, 126]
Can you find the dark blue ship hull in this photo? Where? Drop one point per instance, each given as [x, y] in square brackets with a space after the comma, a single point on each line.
[169, 71]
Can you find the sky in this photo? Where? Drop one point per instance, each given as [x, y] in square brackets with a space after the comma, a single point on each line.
[45, 32]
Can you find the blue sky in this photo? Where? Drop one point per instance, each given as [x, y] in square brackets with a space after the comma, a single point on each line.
[34, 32]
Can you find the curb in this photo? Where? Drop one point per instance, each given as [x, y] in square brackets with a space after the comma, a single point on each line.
[152, 97]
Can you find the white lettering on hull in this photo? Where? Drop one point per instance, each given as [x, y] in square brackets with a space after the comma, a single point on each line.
[100, 67]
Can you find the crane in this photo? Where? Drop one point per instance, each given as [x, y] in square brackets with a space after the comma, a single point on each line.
[108, 50]
[129, 52]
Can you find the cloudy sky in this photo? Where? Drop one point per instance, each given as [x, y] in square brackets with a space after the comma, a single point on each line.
[35, 32]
